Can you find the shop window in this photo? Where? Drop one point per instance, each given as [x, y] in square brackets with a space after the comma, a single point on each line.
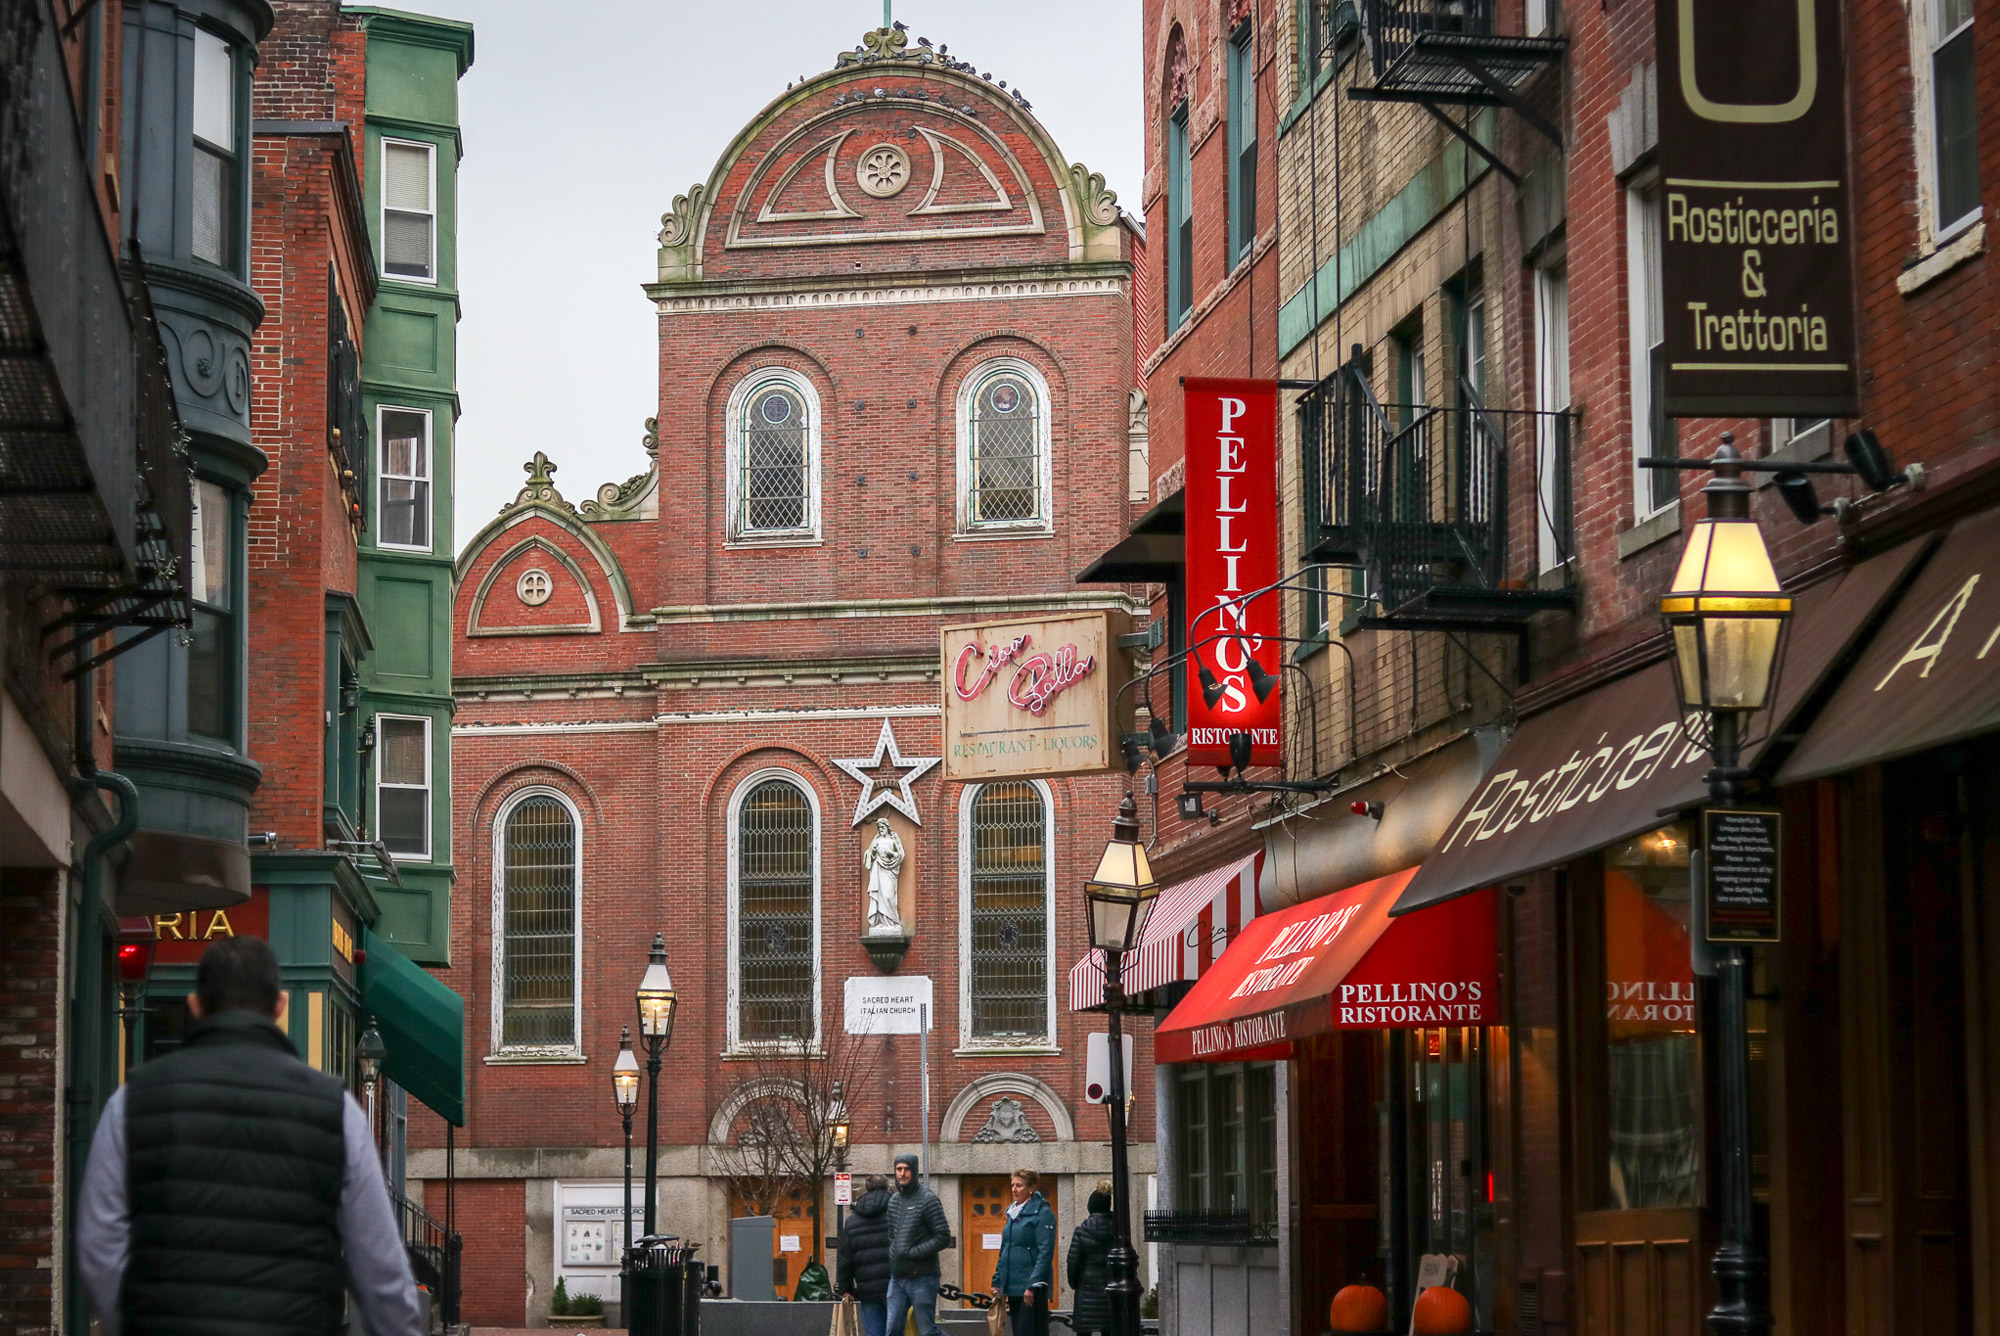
[403, 784]
[1007, 899]
[774, 439]
[405, 516]
[1225, 1152]
[538, 866]
[216, 173]
[409, 210]
[214, 654]
[1003, 449]
[775, 903]
[1651, 1048]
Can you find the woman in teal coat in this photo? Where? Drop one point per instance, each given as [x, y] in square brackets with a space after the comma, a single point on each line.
[1027, 1268]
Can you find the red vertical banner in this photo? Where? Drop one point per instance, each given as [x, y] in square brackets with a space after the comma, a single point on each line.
[1232, 552]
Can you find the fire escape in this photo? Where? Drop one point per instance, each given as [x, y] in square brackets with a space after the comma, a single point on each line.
[1417, 498]
[1439, 53]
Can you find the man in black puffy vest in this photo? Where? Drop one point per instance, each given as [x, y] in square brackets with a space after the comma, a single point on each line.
[233, 1189]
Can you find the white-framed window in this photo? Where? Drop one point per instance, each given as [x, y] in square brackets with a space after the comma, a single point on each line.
[774, 929]
[1004, 459]
[773, 458]
[1653, 490]
[1242, 70]
[403, 784]
[403, 519]
[1947, 111]
[409, 210]
[1006, 877]
[215, 219]
[1551, 398]
[1801, 438]
[537, 945]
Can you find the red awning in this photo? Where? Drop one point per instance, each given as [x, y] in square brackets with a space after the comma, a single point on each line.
[1340, 963]
[1190, 924]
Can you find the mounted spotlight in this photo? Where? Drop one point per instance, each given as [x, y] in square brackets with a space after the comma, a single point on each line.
[1373, 811]
[1130, 744]
[1262, 682]
[1871, 461]
[1190, 806]
[1211, 690]
[1165, 740]
[1797, 491]
[1239, 751]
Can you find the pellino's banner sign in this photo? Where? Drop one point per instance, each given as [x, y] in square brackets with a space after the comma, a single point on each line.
[1755, 226]
[1232, 553]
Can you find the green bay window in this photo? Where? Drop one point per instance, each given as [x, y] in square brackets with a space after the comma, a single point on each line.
[214, 656]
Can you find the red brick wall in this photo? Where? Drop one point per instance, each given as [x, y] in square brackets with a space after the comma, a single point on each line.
[492, 1220]
[30, 1096]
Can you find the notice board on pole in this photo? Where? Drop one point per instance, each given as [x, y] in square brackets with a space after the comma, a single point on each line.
[1740, 863]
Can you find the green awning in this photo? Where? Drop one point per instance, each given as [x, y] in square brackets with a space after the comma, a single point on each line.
[422, 1023]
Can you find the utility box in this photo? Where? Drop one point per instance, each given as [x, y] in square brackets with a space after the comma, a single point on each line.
[752, 1262]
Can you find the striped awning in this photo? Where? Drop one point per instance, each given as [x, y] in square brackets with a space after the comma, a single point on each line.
[1188, 928]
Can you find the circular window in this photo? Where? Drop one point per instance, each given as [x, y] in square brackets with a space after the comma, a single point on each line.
[776, 939]
[1010, 936]
[775, 408]
[1006, 397]
[883, 170]
[534, 587]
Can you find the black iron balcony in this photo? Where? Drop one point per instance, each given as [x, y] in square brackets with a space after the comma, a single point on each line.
[1448, 50]
[433, 1252]
[95, 501]
[1211, 1229]
[1417, 497]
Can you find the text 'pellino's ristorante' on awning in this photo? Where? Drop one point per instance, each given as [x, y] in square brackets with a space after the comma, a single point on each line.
[1232, 553]
[1753, 211]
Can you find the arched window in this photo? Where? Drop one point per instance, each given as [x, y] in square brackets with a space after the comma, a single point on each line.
[1006, 867]
[536, 862]
[774, 948]
[773, 458]
[1003, 465]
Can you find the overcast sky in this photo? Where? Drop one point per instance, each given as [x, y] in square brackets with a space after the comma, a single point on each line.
[583, 121]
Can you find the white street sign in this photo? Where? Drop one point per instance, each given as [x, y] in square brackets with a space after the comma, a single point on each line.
[887, 1005]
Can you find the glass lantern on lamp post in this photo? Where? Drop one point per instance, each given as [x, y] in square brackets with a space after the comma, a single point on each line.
[1119, 897]
[841, 1128]
[372, 1053]
[625, 1089]
[1727, 613]
[657, 1004]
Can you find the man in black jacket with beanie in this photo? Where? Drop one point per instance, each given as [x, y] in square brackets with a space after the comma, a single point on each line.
[232, 1190]
[918, 1232]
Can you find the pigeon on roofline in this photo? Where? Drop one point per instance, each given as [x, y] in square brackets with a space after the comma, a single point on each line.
[923, 41]
[900, 26]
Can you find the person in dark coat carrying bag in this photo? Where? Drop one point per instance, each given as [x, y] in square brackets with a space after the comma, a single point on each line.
[234, 1190]
[863, 1272]
[1027, 1268]
[1090, 1265]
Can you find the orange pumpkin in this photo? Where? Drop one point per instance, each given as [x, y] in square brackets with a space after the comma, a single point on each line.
[1442, 1311]
[1358, 1308]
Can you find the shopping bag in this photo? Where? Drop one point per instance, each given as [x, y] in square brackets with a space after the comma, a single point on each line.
[846, 1318]
[996, 1317]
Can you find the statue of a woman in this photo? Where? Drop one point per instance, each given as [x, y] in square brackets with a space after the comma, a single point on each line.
[884, 864]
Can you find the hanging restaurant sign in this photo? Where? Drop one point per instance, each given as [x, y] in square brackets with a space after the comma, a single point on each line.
[1033, 696]
[1232, 551]
[1753, 211]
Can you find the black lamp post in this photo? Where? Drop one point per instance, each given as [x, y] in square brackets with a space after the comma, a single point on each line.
[373, 1053]
[1727, 613]
[1119, 897]
[657, 1004]
[842, 1127]
[625, 1089]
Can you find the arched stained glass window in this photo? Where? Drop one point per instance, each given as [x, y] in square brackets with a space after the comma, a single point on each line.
[1004, 453]
[538, 928]
[1007, 914]
[775, 951]
[776, 459]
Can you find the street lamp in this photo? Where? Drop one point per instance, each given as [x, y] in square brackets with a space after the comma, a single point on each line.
[1119, 897]
[657, 1004]
[136, 938]
[373, 1053]
[1727, 612]
[625, 1089]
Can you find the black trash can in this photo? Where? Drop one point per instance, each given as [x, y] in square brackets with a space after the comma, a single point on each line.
[662, 1288]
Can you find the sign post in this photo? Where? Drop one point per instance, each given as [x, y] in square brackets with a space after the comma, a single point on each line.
[1740, 866]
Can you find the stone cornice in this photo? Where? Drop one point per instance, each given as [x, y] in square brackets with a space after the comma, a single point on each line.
[1083, 279]
[972, 605]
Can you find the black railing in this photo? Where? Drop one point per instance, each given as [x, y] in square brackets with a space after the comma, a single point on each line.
[434, 1254]
[1394, 26]
[1211, 1229]
[1417, 494]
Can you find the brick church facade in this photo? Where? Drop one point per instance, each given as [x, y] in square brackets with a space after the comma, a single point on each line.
[896, 350]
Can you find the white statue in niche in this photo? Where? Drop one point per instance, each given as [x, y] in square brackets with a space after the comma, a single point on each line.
[884, 864]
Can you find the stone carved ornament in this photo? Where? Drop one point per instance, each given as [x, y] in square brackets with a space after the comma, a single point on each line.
[1008, 1122]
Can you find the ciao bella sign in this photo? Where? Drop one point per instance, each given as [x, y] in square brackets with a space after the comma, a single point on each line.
[1032, 696]
[1232, 553]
